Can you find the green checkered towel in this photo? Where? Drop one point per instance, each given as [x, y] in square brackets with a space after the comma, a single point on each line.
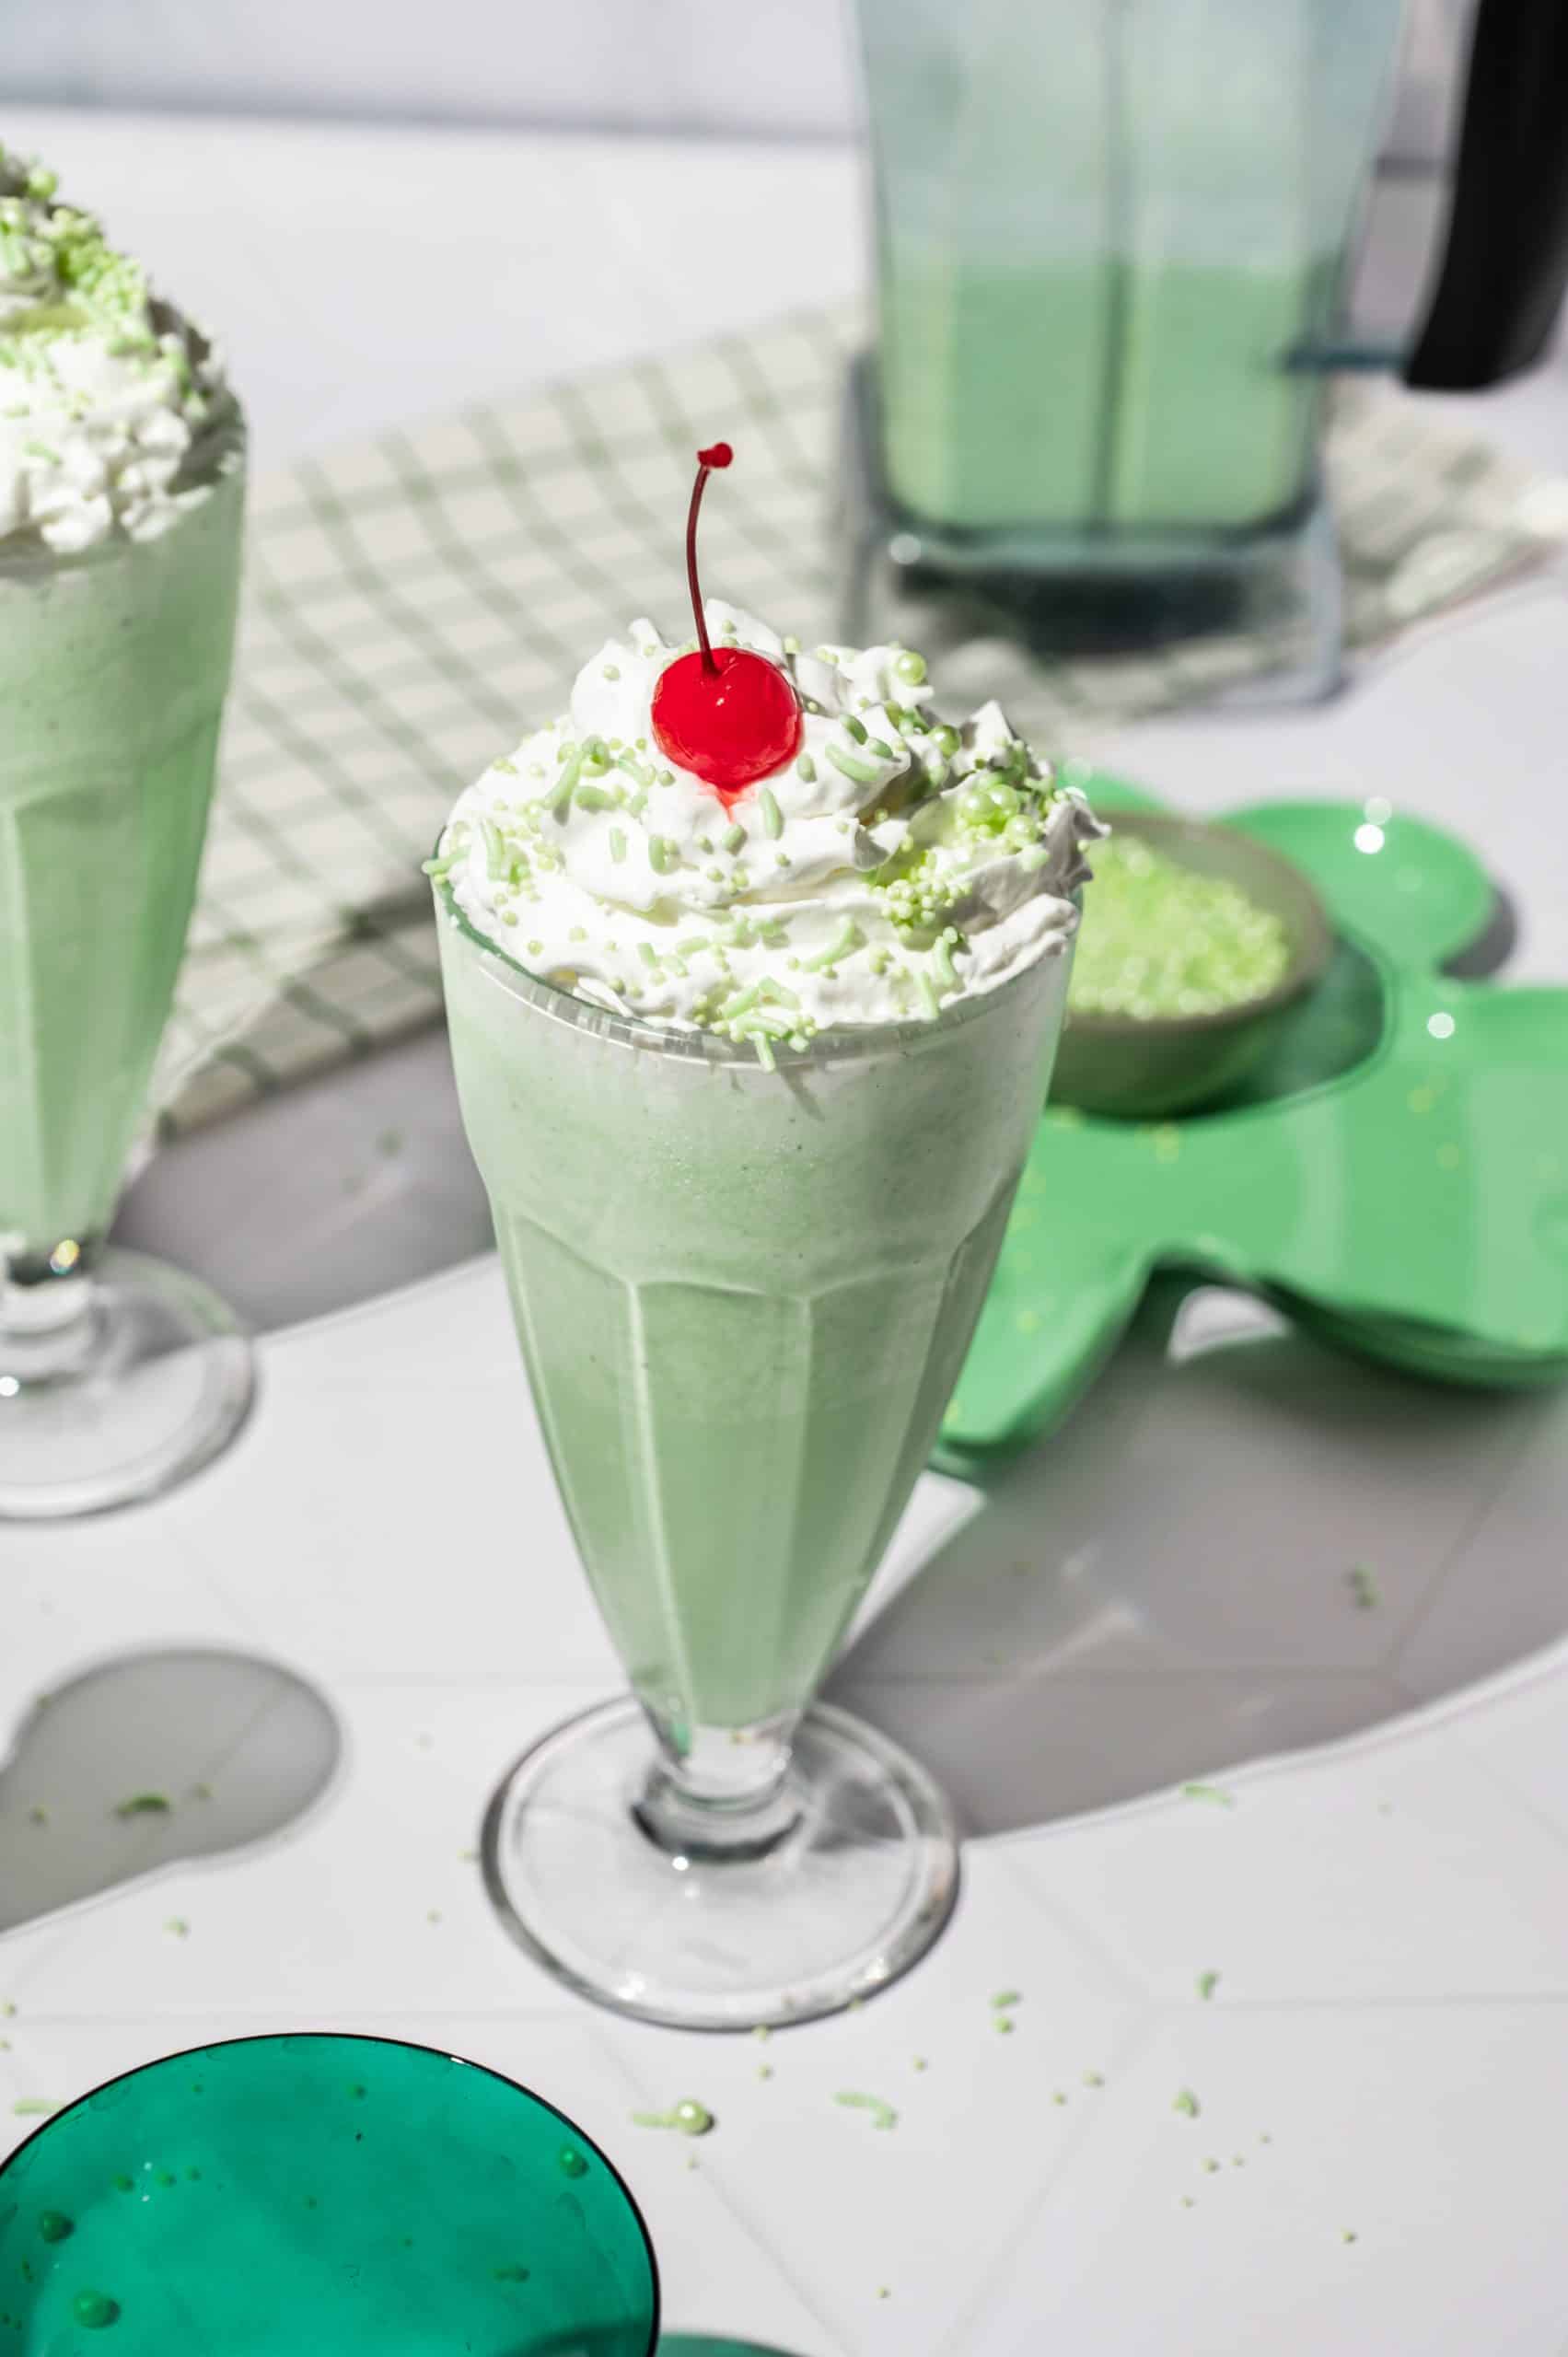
[415, 601]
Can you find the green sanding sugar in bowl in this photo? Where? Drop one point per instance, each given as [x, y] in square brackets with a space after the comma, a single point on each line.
[1159, 939]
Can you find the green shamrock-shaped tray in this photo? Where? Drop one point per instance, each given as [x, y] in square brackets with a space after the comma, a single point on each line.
[1395, 1174]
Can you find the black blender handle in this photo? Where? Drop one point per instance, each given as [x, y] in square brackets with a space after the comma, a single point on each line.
[1505, 265]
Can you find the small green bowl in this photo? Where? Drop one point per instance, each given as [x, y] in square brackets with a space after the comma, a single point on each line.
[1144, 1068]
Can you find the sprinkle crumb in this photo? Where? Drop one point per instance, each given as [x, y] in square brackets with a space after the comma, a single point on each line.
[1349, 2236]
[1362, 1587]
[1092, 2079]
[1187, 2104]
[1187, 2201]
[1215, 1793]
[765, 2070]
[1207, 1983]
[882, 2114]
[920, 2063]
[143, 1805]
[884, 2292]
[177, 1927]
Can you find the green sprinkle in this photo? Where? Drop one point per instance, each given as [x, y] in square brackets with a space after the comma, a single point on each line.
[55, 2225]
[1363, 1588]
[805, 768]
[647, 952]
[742, 1003]
[910, 668]
[513, 2272]
[880, 745]
[41, 451]
[772, 817]
[496, 857]
[1005, 1997]
[947, 972]
[93, 2310]
[845, 942]
[859, 772]
[177, 1927]
[659, 854]
[762, 2030]
[856, 728]
[32, 2107]
[882, 2114]
[928, 993]
[557, 800]
[1349, 2236]
[1004, 2024]
[735, 838]
[1187, 2104]
[610, 671]
[594, 797]
[618, 843]
[688, 2118]
[1092, 2079]
[1207, 1983]
[143, 1805]
[1214, 1794]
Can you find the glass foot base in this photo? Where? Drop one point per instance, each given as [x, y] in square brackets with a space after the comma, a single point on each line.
[148, 1383]
[846, 1900]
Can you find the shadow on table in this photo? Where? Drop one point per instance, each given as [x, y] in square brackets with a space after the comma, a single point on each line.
[149, 1758]
[705, 2344]
[1173, 1581]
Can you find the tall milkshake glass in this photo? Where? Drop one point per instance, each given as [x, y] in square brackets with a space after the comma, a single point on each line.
[743, 1297]
[121, 498]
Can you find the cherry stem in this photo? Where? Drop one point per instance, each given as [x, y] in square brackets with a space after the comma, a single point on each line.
[717, 456]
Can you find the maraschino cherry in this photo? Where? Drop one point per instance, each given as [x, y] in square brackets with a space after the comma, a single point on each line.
[729, 717]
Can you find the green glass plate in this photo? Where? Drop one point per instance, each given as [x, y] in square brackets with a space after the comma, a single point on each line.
[323, 2197]
[1396, 1173]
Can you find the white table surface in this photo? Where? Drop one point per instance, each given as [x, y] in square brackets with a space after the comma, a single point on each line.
[1158, 1593]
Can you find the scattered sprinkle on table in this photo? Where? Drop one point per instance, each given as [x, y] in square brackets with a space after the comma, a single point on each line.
[177, 1927]
[143, 1805]
[882, 2114]
[1362, 1587]
[32, 2107]
[1214, 1794]
[1187, 2104]
[687, 2118]
[1207, 1983]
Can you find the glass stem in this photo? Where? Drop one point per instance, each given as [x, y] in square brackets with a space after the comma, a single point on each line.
[47, 1328]
[721, 1792]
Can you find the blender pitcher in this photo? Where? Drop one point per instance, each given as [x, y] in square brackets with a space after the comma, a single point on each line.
[1113, 237]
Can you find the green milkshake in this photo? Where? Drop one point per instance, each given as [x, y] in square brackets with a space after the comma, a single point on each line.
[751, 1076]
[122, 487]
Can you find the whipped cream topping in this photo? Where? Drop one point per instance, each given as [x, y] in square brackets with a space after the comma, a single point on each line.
[899, 862]
[114, 413]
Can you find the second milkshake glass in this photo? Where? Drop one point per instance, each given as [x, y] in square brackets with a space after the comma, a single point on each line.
[744, 1297]
[118, 1375]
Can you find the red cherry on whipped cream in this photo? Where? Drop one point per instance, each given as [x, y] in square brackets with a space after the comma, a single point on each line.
[730, 717]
